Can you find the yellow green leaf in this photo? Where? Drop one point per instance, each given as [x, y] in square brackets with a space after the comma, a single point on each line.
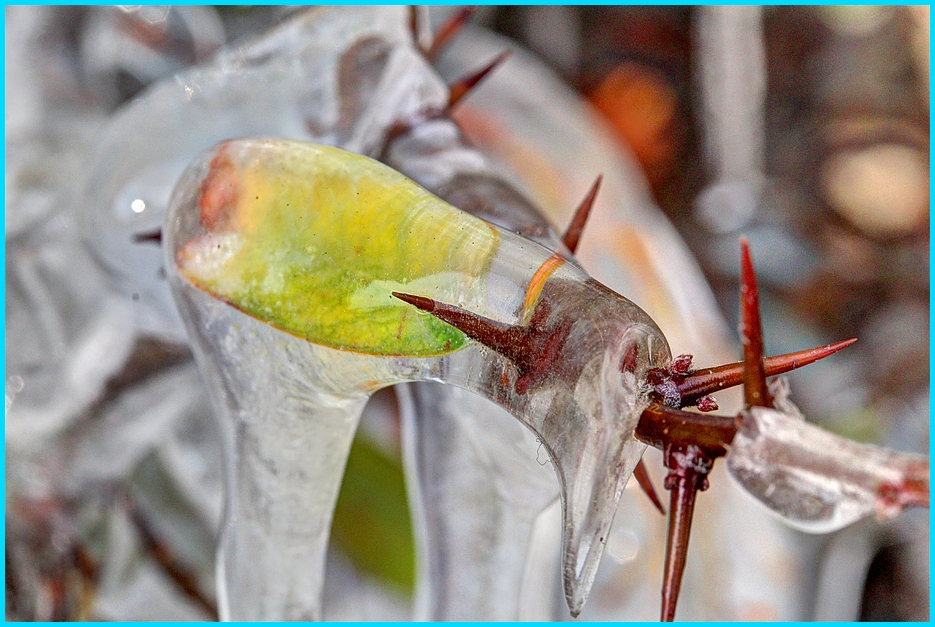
[313, 239]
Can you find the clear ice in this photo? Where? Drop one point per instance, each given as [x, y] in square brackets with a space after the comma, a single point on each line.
[817, 481]
[479, 488]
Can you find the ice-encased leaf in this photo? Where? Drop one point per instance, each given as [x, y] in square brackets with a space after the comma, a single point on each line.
[314, 239]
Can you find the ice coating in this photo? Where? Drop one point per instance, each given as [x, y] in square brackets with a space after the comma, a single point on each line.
[819, 482]
[584, 409]
[482, 480]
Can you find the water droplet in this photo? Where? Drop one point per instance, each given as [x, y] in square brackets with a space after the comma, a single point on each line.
[138, 205]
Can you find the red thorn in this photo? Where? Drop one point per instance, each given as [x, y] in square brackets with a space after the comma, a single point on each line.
[681, 509]
[449, 30]
[688, 467]
[414, 24]
[423, 303]
[148, 236]
[573, 234]
[533, 349]
[710, 380]
[502, 338]
[461, 87]
[642, 478]
[755, 390]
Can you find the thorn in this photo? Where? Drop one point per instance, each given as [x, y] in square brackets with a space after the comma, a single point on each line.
[688, 467]
[710, 380]
[573, 234]
[532, 348]
[425, 304]
[755, 390]
[414, 25]
[498, 336]
[463, 86]
[681, 509]
[642, 478]
[449, 30]
[148, 236]
[185, 579]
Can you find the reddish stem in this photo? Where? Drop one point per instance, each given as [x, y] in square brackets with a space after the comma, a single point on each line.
[661, 425]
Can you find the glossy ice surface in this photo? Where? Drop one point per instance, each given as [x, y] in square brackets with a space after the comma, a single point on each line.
[298, 79]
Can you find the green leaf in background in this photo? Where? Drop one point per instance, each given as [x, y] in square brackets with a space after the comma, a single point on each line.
[371, 521]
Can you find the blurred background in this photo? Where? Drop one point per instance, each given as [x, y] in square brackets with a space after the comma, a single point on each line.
[804, 128]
